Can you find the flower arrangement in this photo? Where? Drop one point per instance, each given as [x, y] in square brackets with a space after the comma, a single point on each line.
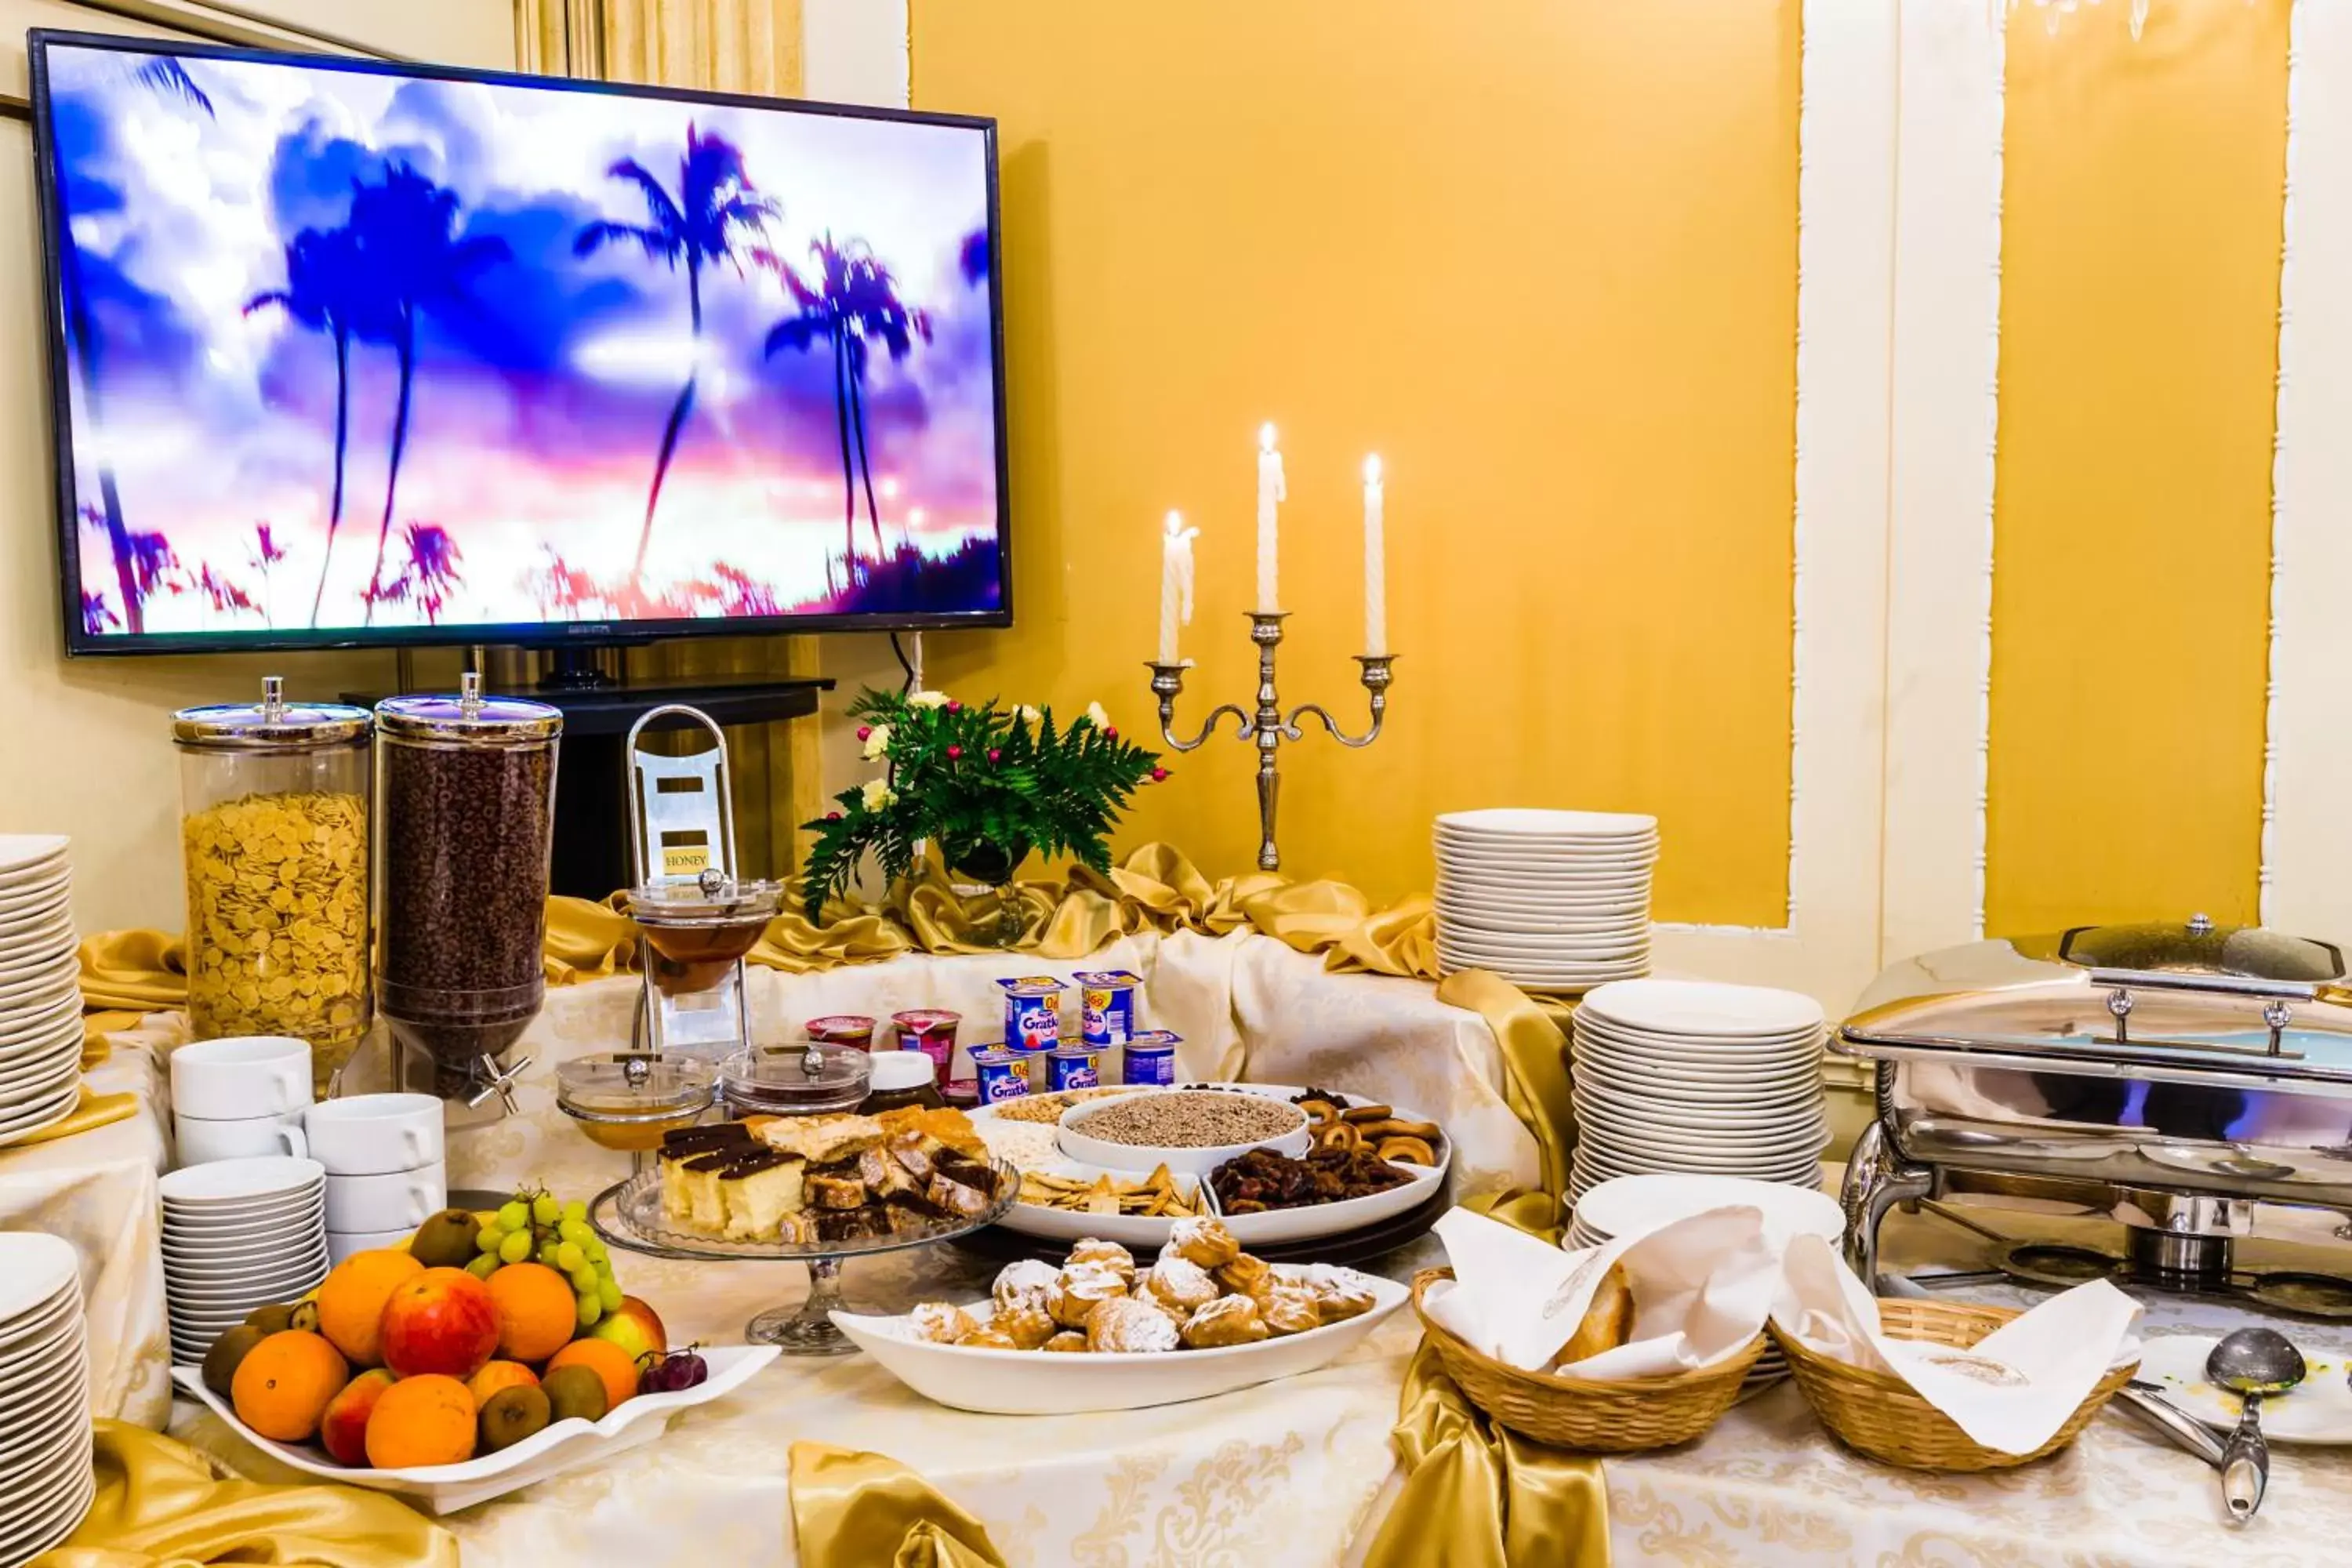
[988, 785]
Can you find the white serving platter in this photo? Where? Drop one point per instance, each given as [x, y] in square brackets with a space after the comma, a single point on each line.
[560, 1447]
[1036, 1382]
[1273, 1227]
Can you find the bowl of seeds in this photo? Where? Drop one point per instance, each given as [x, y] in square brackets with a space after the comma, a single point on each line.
[1189, 1130]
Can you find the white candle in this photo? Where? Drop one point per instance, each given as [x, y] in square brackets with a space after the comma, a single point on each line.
[1375, 606]
[1271, 493]
[1175, 583]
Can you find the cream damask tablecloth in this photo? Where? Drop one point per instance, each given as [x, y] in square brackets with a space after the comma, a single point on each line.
[97, 1189]
[1291, 1475]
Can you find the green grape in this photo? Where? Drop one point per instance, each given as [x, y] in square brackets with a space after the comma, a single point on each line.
[545, 1209]
[515, 1247]
[608, 1291]
[576, 1212]
[547, 1253]
[594, 1247]
[488, 1238]
[569, 1258]
[575, 1231]
[483, 1266]
[591, 1309]
[515, 1214]
[584, 1280]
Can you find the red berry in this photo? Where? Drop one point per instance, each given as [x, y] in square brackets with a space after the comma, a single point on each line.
[1111, 734]
[995, 755]
[955, 753]
[1159, 774]
[833, 816]
[953, 706]
[865, 731]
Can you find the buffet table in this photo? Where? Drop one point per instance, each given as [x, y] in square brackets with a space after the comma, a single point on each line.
[1299, 1472]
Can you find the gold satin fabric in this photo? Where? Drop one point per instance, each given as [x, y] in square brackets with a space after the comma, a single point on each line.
[853, 1510]
[93, 1110]
[160, 1506]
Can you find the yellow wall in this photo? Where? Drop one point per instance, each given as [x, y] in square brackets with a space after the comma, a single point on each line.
[89, 749]
[2141, 231]
[1543, 260]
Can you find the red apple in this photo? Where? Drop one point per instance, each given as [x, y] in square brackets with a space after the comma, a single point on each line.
[442, 1320]
[634, 1327]
[343, 1429]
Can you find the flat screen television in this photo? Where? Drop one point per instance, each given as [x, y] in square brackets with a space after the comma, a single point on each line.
[348, 352]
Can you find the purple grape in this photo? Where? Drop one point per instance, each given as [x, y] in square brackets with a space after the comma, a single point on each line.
[676, 1373]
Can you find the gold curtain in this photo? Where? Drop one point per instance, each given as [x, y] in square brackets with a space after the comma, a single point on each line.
[725, 45]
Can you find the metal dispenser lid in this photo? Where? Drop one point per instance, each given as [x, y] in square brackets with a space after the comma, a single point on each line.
[2197, 946]
[271, 724]
[469, 719]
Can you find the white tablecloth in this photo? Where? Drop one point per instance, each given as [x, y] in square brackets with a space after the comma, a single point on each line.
[97, 1189]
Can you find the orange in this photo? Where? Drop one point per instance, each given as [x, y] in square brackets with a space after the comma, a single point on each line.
[424, 1420]
[606, 1359]
[496, 1375]
[284, 1384]
[538, 1310]
[351, 1301]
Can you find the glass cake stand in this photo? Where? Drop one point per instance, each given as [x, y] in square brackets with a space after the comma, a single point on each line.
[630, 1216]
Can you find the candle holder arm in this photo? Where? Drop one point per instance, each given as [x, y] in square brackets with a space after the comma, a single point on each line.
[1376, 677]
[1167, 683]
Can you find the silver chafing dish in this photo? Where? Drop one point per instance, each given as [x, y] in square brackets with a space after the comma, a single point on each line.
[2169, 1077]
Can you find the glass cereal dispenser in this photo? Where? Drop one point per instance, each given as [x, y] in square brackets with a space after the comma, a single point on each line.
[466, 787]
[274, 841]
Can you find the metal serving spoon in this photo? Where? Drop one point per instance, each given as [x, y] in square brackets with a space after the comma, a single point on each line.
[2251, 1363]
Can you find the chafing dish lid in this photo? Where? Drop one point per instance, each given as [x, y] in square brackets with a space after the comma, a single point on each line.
[2197, 946]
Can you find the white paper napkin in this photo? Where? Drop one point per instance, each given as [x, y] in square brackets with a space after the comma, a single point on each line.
[2010, 1392]
[1702, 1288]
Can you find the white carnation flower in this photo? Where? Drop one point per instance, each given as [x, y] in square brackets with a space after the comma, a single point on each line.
[877, 745]
[1097, 717]
[1031, 714]
[879, 795]
[928, 699]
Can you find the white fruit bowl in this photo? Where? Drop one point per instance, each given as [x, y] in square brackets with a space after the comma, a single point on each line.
[559, 1447]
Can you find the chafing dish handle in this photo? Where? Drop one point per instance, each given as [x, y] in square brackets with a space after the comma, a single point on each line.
[2218, 985]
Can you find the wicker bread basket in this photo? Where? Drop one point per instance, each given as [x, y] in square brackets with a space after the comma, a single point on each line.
[1622, 1417]
[1878, 1414]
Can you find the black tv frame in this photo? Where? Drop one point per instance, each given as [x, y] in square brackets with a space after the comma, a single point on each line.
[527, 634]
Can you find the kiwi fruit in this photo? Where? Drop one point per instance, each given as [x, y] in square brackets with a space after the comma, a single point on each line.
[513, 1413]
[575, 1391]
[447, 1240]
[271, 1320]
[221, 1360]
[303, 1318]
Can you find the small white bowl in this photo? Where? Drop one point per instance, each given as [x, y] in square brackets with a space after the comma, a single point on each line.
[387, 1202]
[1074, 1141]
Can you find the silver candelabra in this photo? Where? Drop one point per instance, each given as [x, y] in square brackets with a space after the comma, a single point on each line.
[1267, 729]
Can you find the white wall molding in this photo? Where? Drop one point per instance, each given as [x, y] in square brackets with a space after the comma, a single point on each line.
[2307, 775]
[1945, 396]
[1846, 268]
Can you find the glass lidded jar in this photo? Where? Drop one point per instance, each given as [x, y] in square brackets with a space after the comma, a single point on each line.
[274, 846]
[466, 794]
[628, 1100]
[792, 1080]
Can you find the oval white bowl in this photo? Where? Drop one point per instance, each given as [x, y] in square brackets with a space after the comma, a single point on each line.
[1074, 1141]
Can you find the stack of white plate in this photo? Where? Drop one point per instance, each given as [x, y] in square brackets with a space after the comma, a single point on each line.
[1551, 900]
[1636, 1206]
[239, 1234]
[40, 986]
[46, 1479]
[1685, 1076]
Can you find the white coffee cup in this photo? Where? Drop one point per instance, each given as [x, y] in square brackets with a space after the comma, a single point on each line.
[375, 1134]
[201, 1142]
[402, 1200]
[341, 1244]
[240, 1079]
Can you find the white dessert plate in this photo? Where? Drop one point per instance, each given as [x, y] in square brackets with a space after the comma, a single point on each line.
[224, 1185]
[560, 1447]
[1637, 1206]
[1036, 1382]
[1704, 1047]
[2318, 1411]
[1511, 821]
[1705, 1008]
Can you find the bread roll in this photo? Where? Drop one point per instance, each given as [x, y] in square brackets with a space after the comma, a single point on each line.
[1608, 1322]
